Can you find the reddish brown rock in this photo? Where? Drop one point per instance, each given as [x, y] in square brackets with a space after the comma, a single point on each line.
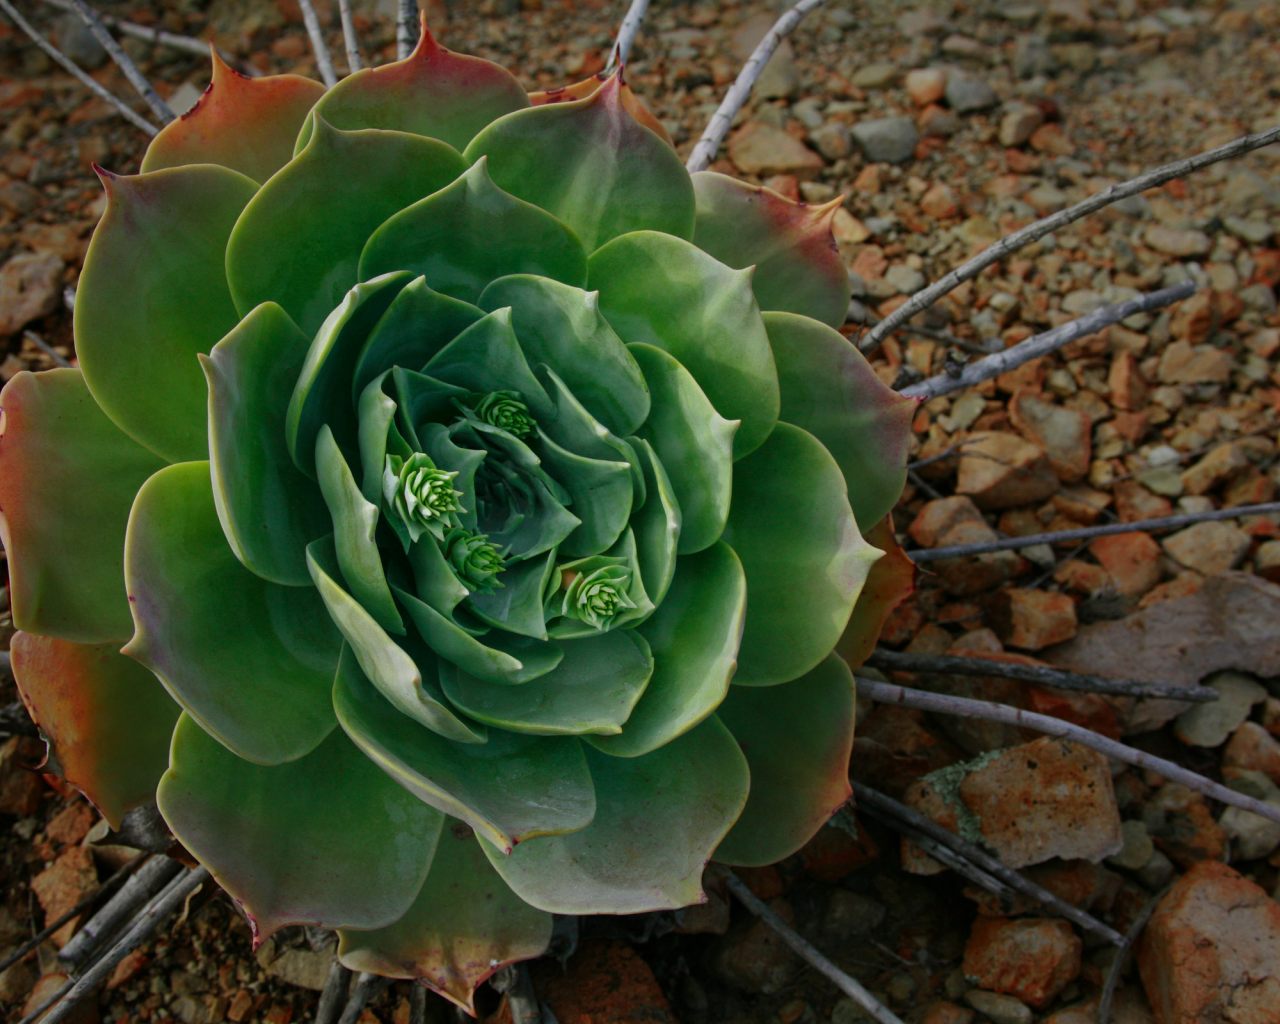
[926, 85]
[30, 287]
[939, 202]
[833, 853]
[1208, 548]
[71, 824]
[938, 517]
[1193, 318]
[20, 788]
[1128, 389]
[1000, 470]
[904, 731]
[1078, 882]
[606, 983]
[1063, 434]
[1215, 469]
[1183, 827]
[1032, 619]
[1134, 502]
[964, 575]
[1180, 363]
[1032, 959]
[85, 1012]
[1131, 559]
[760, 149]
[943, 1012]
[1083, 578]
[1252, 747]
[60, 887]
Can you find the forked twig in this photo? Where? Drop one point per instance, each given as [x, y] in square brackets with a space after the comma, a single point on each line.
[888, 693]
[627, 34]
[349, 36]
[406, 27]
[705, 151]
[324, 60]
[124, 62]
[1042, 344]
[125, 111]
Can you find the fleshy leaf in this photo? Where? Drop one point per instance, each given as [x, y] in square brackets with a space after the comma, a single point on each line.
[270, 511]
[517, 604]
[581, 90]
[693, 442]
[798, 267]
[509, 789]
[890, 582]
[801, 551]
[432, 92]
[830, 390]
[666, 292]
[592, 164]
[694, 637]
[108, 720]
[246, 124]
[797, 738]
[140, 319]
[656, 524]
[601, 493]
[471, 233]
[298, 243]
[487, 357]
[327, 840]
[658, 817]
[67, 480]
[230, 647]
[465, 925]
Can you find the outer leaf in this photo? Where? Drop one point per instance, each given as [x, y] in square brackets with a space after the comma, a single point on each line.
[269, 510]
[327, 840]
[890, 582]
[67, 479]
[509, 789]
[464, 926]
[668, 293]
[797, 738]
[694, 636]
[246, 124]
[581, 90]
[798, 268]
[451, 238]
[805, 561]
[830, 390]
[658, 817]
[432, 92]
[298, 243]
[693, 442]
[249, 660]
[107, 719]
[140, 319]
[592, 164]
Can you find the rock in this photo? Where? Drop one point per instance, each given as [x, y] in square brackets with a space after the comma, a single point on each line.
[77, 41]
[1063, 434]
[1135, 502]
[966, 94]
[1209, 725]
[1255, 232]
[846, 229]
[1215, 469]
[16, 982]
[833, 139]
[753, 957]
[20, 198]
[1180, 243]
[780, 77]
[1001, 470]
[906, 279]
[60, 887]
[1052, 140]
[20, 788]
[1131, 559]
[1180, 363]
[939, 202]
[1266, 560]
[1077, 882]
[1211, 951]
[1253, 748]
[1032, 959]
[1138, 847]
[938, 517]
[926, 85]
[85, 1012]
[1194, 318]
[1182, 826]
[848, 915]
[70, 825]
[943, 1012]
[30, 287]
[1018, 124]
[1032, 619]
[1253, 835]
[760, 149]
[605, 982]
[875, 76]
[1128, 389]
[1000, 1009]
[1209, 547]
[974, 574]
[306, 968]
[890, 140]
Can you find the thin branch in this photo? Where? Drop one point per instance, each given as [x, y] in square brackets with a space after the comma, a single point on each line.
[124, 62]
[926, 297]
[887, 693]
[406, 27]
[1041, 675]
[981, 348]
[58, 358]
[349, 36]
[1089, 532]
[514, 982]
[367, 986]
[125, 111]
[334, 993]
[1042, 344]
[718, 127]
[417, 1003]
[944, 454]
[142, 886]
[324, 61]
[1117, 965]
[627, 34]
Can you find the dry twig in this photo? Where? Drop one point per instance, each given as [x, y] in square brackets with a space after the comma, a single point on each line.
[324, 60]
[627, 34]
[141, 887]
[58, 358]
[367, 986]
[406, 27]
[124, 62]
[1117, 965]
[333, 993]
[349, 36]
[417, 1003]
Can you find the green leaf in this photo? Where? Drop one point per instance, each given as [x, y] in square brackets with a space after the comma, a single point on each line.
[298, 243]
[107, 719]
[321, 394]
[269, 510]
[601, 493]
[890, 582]
[375, 416]
[327, 840]
[693, 442]
[591, 164]
[407, 680]
[250, 660]
[486, 357]
[797, 738]
[435, 581]
[562, 326]
[665, 292]
[140, 320]
[516, 606]
[656, 525]
[694, 638]
[805, 561]
[658, 818]
[421, 402]
[830, 390]
[67, 480]
[591, 691]
[798, 268]
[465, 925]
[432, 92]
[471, 233]
[509, 789]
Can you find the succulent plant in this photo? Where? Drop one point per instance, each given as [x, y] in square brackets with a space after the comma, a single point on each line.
[424, 485]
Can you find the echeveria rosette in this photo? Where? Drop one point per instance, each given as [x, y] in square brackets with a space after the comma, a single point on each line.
[437, 473]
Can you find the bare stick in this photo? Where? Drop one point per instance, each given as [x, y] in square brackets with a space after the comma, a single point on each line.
[926, 297]
[876, 801]
[1089, 532]
[324, 61]
[349, 36]
[627, 34]
[514, 982]
[888, 693]
[39, 342]
[945, 856]
[333, 994]
[1117, 965]
[125, 111]
[793, 939]
[978, 347]
[406, 27]
[417, 1003]
[1042, 344]
[1041, 675]
[718, 127]
[142, 886]
[367, 986]
[136, 78]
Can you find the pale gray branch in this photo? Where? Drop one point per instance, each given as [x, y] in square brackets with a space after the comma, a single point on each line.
[142, 886]
[324, 61]
[627, 34]
[334, 993]
[58, 358]
[349, 36]
[367, 986]
[131, 71]
[406, 27]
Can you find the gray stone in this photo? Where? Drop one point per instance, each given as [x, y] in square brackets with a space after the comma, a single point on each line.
[1138, 846]
[184, 98]
[875, 76]
[1254, 835]
[833, 139]
[808, 112]
[1001, 1009]
[76, 40]
[906, 279]
[1254, 232]
[1259, 297]
[780, 77]
[889, 140]
[1209, 725]
[966, 93]
[849, 915]
[1156, 873]
[1033, 58]
[1247, 190]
